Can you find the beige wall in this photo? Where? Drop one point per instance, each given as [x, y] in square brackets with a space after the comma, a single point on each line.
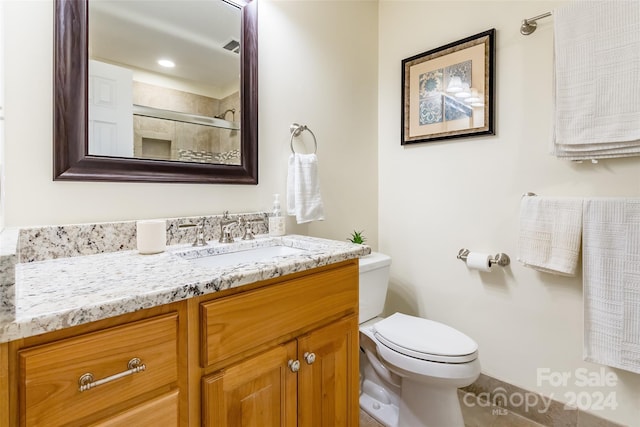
[2, 109]
[321, 71]
[2, 162]
[437, 198]
[307, 75]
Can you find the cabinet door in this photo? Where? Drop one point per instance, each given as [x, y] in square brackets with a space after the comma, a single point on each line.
[257, 392]
[328, 376]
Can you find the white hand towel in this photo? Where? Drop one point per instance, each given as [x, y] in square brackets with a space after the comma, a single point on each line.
[303, 188]
[597, 79]
[550, 233]
[611, 281]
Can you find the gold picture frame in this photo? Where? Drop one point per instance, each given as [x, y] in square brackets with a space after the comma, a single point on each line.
[448, 92]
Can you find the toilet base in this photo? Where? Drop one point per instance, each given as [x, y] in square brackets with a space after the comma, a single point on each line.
[378, 398]
[384, 413]
[422, 406]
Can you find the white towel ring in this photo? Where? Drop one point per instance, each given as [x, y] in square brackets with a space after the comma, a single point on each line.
[296, 130]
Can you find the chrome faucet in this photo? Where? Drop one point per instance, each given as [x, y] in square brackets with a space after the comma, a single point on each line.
[199, 240]
[225, 223]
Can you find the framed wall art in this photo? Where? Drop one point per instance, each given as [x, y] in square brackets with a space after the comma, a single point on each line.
[448, 92]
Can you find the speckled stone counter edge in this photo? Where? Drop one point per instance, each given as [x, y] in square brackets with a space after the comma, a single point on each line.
[8, 260]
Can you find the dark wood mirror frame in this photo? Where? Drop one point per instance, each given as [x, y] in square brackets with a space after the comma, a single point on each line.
[70, 114]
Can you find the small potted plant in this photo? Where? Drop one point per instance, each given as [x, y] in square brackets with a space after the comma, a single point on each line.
[357, 237]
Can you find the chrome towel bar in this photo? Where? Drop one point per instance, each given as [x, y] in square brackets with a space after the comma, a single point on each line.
[529, 25]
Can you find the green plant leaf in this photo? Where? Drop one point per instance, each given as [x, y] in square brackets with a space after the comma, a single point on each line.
[357, 237]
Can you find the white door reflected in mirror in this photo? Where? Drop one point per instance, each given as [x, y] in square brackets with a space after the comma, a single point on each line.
[110, 110]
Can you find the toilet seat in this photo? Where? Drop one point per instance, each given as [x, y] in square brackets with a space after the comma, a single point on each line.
[425, 339]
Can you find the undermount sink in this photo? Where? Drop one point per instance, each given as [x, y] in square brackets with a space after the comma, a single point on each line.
[207, 258]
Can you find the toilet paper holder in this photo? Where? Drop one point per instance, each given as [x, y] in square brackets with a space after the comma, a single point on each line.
[500, 258]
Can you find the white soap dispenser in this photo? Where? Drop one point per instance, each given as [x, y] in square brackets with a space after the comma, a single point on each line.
[276, 220]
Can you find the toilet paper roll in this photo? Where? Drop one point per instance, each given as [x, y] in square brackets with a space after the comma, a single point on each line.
[478, 261]
[151, 236]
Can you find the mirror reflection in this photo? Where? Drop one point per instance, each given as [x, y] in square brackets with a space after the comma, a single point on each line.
[164, 80]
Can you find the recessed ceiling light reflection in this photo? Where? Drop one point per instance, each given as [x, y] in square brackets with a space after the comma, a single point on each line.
[166, 63]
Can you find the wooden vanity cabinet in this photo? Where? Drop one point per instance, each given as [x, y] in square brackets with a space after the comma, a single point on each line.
[289, 385]
[305, 373]
[259, 391]
[131, 366]
[161, 411]
[282, 352]
[328, 383]
[143, 352]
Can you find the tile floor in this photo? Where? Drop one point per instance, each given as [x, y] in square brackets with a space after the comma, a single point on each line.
[474, 416]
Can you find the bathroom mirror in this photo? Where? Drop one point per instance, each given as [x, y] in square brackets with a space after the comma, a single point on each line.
[77, 158]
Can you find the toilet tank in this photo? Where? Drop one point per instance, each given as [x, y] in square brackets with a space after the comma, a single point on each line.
[374, 281]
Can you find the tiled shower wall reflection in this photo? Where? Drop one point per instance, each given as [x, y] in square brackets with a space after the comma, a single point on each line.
[166, 139]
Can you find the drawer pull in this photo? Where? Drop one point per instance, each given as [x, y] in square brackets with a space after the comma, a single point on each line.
[86, 381]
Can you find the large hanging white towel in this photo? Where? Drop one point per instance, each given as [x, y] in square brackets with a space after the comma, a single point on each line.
[597, 79]
[611, 277]
[550, 233]
[303, 188]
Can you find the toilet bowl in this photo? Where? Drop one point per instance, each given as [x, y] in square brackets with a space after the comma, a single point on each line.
[410, 367]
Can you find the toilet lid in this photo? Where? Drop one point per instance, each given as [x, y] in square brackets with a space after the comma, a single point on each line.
[425, 339]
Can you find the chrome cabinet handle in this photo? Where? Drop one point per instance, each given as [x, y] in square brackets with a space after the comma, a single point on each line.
[294, 365]
[86, 381]
[309, 358]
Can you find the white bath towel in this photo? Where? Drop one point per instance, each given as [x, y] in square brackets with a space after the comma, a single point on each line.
[550, 233]
[597, 79]
[303, 188]
[611, 270]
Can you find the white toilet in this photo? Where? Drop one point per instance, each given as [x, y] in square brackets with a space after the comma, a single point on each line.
[410, 368]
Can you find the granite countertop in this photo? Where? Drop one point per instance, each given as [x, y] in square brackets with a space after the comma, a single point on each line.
[59, 293]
